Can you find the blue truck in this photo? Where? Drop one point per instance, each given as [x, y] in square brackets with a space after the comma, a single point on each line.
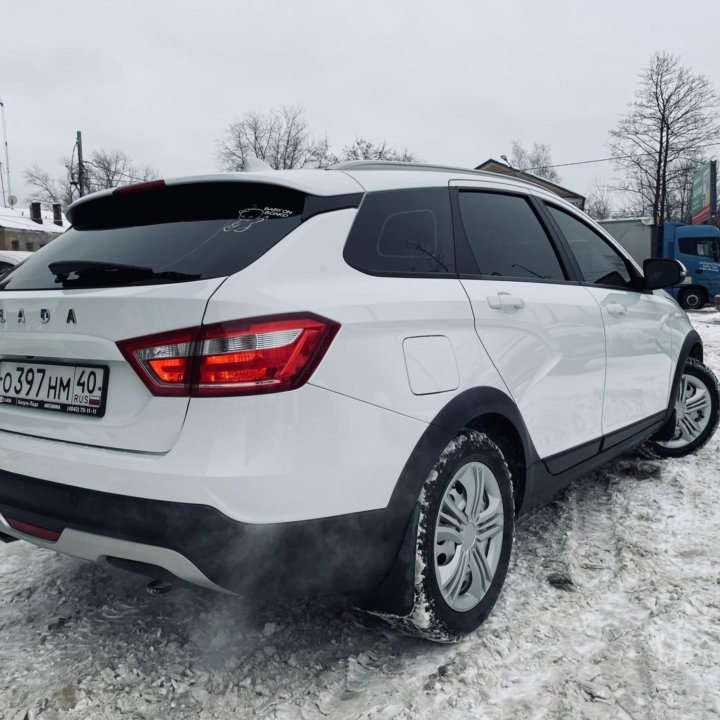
[697, 247]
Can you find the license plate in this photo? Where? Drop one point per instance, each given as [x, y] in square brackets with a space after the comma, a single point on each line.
[75, 389]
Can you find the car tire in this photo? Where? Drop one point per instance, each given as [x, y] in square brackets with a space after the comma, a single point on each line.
[462, 555]
[697, 408]
[692, 298]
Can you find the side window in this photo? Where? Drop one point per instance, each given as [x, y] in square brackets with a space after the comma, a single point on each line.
[506, 237]
[703, 247]
[599, 262]
[403, 232]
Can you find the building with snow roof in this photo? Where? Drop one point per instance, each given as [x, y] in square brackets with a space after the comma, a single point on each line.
[30, 228]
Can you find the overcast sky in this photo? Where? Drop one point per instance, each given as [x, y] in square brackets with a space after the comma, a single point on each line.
[453, 81]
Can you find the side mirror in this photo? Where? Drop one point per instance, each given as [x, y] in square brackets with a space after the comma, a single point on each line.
[663, 273]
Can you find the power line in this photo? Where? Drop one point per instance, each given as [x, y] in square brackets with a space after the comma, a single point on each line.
[607, 159]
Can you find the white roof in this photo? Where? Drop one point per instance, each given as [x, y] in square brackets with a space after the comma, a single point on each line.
[353, 177]
[19, 219]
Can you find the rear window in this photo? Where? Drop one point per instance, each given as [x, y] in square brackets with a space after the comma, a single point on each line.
[166, 234]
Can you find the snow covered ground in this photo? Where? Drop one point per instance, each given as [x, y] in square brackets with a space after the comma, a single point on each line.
[611, 610]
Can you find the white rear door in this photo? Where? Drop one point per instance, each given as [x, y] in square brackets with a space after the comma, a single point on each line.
[544, 334]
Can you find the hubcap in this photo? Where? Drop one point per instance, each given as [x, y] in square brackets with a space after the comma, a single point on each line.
[692, 412]
[468, 536]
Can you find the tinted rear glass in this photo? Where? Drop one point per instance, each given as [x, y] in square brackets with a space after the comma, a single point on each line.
[185, 232]
[507, 238]
[403, 232]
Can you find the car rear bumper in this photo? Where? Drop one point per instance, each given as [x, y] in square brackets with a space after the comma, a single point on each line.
[199, 544]
[295, 456]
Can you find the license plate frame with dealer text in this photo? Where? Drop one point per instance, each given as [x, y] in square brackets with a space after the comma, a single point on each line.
[71, 388]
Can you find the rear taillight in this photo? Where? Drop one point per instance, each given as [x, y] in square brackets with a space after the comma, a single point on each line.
[162, 361]
[241, 357]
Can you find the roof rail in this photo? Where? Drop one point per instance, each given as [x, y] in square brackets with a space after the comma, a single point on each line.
[403, 165]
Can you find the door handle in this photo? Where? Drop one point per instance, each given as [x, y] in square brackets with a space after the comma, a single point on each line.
[616, 309]
[505, 300]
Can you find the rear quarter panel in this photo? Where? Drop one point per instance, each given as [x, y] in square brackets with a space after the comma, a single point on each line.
[307, 272]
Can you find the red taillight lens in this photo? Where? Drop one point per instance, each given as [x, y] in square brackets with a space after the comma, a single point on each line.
[260, 355]
[232, 358]
[163, 360]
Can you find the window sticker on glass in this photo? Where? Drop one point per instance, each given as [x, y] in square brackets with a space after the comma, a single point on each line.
[251, 216]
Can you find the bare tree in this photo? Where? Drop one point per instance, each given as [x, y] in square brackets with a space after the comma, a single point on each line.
[111, 168]
[598, 203]
[536, 161]
[280, 138]
[661, 139]
[104, 169]
[49, 189]
[363, 149]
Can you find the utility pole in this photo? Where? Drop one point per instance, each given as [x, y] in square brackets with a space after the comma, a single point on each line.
[81, 169]
[7, 161]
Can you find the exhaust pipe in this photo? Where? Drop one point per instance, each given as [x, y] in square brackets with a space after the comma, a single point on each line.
[162, 581]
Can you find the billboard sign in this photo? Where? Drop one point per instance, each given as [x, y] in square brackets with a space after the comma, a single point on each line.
[704, 194]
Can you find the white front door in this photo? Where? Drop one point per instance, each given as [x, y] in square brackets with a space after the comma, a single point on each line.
[638, 335]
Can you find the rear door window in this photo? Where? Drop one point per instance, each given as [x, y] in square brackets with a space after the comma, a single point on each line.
[168, 234]
[506, 237]
[403, 233]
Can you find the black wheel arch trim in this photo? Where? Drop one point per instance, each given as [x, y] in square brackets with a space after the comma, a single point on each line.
[395, 595]
[457, 414]
[692, 347]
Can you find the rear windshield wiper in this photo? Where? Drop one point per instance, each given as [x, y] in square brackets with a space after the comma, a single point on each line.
[91, 272]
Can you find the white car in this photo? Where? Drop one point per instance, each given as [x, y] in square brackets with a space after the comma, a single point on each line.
[10, 258]
[331, 380]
